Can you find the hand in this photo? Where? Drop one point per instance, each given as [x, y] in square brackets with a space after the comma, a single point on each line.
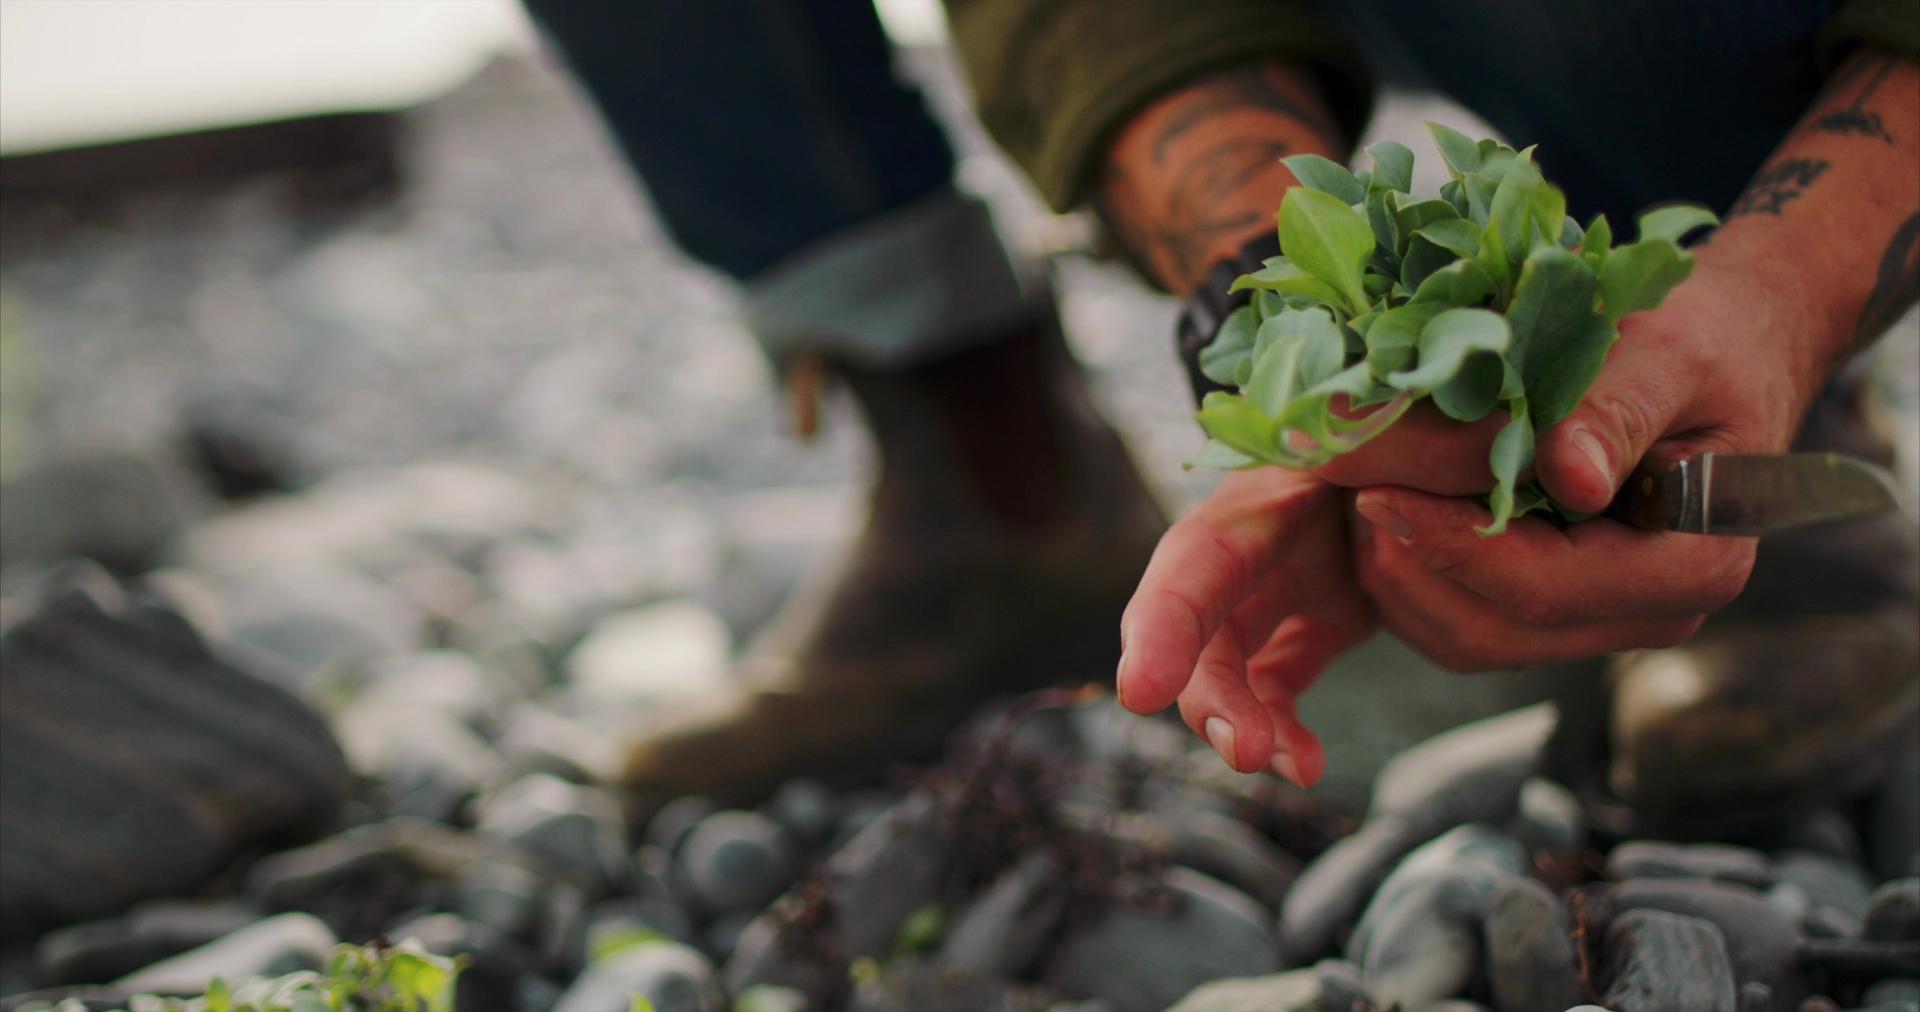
[1246, 600]
[1714, 368]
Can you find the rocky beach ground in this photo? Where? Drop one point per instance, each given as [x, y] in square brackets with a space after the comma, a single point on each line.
[480, 470]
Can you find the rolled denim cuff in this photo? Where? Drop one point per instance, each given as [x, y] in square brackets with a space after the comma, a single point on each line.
[918, 282]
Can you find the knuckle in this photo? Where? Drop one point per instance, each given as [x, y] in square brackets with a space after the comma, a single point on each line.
[1537, 609]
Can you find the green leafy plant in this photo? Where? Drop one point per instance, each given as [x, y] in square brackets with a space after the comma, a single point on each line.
[1484, 298]
[369, 978]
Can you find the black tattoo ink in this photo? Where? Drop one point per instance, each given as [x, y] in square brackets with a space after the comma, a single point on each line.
[1896, 287]
[1193, 220]
[1855, 118]
[1777, 185]
[1236, 89]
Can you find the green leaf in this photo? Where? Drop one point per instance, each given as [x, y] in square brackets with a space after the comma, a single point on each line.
[1673, 222]
[1386, 232]
[1394, 338]
[1217, 455]
[1639, 276]
[1327, 176]
[642, 1003]
[1241, 426]
[1571, 233]
[1461, 153]
[1413, 215]
[1220, 359]
[1551, 305]
[1547, 206]
[1325, 238]
[1597, 243]
[1423, 257]
[922, 929]
[1392, 166]
[219, 997]
[1556, 382]
[1509, 215]
[1445, 343]
[1512, 452]
[1280, 275]
[1472, 391]
[1461, 283]
[1456, 234]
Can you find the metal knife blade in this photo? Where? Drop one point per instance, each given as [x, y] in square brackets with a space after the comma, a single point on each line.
[1747, 495]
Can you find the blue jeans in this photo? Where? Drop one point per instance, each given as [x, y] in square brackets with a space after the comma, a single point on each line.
[779, 148]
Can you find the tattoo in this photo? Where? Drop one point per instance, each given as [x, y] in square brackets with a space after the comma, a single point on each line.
[1777, 185]
[1896, 287]
[1246, 87]
[1855, 118]
[1193, 219]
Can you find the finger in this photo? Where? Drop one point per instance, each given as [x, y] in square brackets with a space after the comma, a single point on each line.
[1425, 450]
[1219, 705]
[1203, 568]
[1462, 631]
[1636, 400]
[1546, 576]
[1298, 755]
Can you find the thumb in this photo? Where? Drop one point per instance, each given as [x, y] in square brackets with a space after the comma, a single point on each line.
[1634, 402]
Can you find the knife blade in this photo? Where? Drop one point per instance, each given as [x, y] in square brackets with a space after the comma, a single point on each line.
[1747, 495]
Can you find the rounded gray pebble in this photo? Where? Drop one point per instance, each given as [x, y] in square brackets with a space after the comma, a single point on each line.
[737, 862]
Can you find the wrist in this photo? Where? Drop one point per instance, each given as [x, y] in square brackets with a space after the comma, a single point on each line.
[1798, 330]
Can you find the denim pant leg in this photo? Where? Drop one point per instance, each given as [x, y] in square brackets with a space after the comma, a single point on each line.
[779, 148]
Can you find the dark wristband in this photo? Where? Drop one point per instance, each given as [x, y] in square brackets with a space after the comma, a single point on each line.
[1209, 305]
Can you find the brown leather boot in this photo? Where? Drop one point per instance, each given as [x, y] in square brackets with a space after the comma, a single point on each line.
[1008, 529]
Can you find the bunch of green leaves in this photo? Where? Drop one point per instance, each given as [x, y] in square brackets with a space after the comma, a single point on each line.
[369, 978]
[1484, 298]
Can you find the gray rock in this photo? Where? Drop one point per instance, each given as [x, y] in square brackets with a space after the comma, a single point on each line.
[426, 763]
[119, 508]
[916, 984]
[99, 951]
[452, 935]
[1340, 981]
[572, 831]
[1233, 852]
[1893, 821]
[1472, 773]
[104, 697]
[561, 937]
[1456, 1005]
[893, 868]
[767, 954]
[1006, 927]
[1419, 940]
[300, 622]
[1531, 962]
[1756, 997]
[1143, 961]
[669, 827]
[502, 896]
[1293, 991]
[737, 862]
[444, 681]
[1826, 831]
[1790, 901]
[1107, 731]
[1829, 882]
[1549, 816]
[1761, 943]
[1722, 862]
[724, 933]
[1893, 912]
[269, 948]
[649, 654]
[1334, 887]
[769, 998]
[1662, 962]
[625, 916]
[806, 808]
[1891, 994]
[675, 978]
[537, 740]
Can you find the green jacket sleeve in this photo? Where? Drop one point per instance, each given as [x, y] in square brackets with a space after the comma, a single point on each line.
[1892, 25]
[1053, 80]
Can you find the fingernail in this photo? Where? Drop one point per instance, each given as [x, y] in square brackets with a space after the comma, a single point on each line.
[1289, 770]
[1380, 515]
[1595, 451]
[1220, 736]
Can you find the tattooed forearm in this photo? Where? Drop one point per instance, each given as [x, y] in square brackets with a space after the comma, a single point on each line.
[1895, 287]
[1778, 185]
[1235, 90]
[1855, 117]
[1195, 214]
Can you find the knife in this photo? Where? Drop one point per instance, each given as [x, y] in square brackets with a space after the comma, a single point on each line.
[1747, 495]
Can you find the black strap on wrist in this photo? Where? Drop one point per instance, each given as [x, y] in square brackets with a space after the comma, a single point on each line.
[1207, 308]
